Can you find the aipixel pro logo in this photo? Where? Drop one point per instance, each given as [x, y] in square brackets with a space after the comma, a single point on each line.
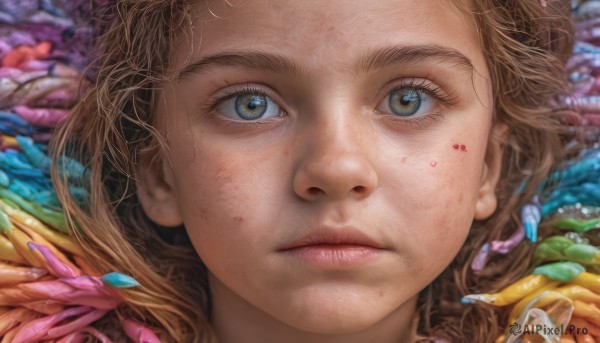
[517, 329]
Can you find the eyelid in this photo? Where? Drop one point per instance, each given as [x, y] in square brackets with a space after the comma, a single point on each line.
[233, 90]
[426, 85]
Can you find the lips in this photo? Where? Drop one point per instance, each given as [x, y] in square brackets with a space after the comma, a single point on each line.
[334, 247]
[330, 236]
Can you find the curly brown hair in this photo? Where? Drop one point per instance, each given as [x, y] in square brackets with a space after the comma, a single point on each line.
[526, 44]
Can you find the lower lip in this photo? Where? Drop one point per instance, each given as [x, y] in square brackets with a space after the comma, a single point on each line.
[334, 255]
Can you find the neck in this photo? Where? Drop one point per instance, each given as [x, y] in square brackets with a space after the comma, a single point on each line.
[235, 320]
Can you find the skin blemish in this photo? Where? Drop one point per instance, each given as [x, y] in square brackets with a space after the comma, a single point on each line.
[459, 147]
[433, 164]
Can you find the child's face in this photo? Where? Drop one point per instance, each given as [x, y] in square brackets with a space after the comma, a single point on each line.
[356, 129]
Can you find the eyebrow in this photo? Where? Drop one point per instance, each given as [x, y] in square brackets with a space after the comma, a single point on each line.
[371, 61]
[384, 57]
[247, 59]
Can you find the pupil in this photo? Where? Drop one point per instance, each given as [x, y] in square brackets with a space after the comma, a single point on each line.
[409, 97]
[254, 103]
[406, 99]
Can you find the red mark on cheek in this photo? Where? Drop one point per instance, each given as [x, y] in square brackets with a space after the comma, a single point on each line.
[433, 164]
[459, 147]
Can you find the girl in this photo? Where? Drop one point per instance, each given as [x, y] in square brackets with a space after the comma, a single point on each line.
[313, 172]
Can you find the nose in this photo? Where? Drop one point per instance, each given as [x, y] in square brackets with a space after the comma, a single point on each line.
[335, 165]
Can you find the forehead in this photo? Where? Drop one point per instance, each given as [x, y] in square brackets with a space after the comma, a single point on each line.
[324, 33]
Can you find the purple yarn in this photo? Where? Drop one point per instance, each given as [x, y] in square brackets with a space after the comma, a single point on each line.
[18, 8]
[4, 48]
[16, 38]
[497, 247]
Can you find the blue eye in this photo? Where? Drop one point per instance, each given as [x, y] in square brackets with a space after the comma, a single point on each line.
[407, 102]
[249, 106]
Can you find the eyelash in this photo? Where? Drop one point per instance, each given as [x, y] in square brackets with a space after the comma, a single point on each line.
[423, 85]
[429, 87]
[214, 101]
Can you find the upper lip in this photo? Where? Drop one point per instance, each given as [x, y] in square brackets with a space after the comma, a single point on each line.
[329, 235]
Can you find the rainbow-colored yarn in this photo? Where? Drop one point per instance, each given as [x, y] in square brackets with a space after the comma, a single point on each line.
[48, 291]
[560, 300]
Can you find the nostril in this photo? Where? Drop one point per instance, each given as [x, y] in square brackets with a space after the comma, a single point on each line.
[314, 190]
[359, 189]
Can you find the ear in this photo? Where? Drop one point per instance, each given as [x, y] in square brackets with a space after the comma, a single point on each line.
[492, 168]
[155, 189]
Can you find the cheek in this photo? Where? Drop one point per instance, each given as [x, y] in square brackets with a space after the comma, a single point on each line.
[226, 202]
[434, 204]
[439, 180]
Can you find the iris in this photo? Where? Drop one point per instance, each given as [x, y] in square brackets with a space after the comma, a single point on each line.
[405, 101]
[250, 106]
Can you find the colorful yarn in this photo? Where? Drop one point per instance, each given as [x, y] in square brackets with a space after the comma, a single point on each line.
[48, 290]
[563, 290]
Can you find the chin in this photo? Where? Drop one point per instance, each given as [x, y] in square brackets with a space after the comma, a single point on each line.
[334, 326]
[328, 318]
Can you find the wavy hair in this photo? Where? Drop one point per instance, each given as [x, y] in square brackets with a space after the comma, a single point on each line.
[526, 45]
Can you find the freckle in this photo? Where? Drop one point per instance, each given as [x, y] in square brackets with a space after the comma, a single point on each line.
[203, 214]
[455, 146]
[433, 164]
[403, 160]
[463, 148]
